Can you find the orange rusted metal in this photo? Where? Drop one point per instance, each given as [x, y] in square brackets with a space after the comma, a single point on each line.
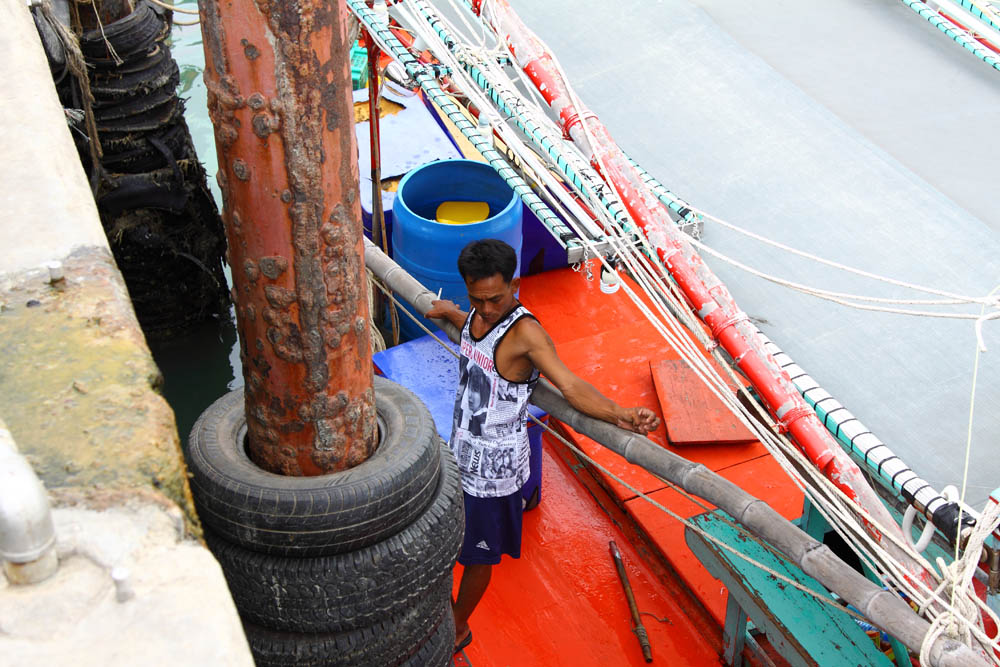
[279, 95]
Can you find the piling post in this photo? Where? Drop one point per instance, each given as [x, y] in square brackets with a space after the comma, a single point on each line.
[279, 96]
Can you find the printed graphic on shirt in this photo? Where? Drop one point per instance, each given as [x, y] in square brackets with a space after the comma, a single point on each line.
[471, 408]
[476, 356]
[489, 435]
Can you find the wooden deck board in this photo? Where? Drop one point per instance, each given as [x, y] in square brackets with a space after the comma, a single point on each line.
[692, 414]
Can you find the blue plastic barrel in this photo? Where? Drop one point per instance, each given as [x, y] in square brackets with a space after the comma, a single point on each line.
[428, 249]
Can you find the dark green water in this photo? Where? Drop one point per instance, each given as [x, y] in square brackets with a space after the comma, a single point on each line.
[204, 364]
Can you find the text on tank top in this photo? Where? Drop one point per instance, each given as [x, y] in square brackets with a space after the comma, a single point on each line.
[489, 436]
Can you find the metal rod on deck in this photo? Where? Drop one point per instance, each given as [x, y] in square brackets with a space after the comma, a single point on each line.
[374, 122]
[638, 628]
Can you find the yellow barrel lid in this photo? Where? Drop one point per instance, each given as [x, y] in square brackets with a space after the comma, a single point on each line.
[462, 212]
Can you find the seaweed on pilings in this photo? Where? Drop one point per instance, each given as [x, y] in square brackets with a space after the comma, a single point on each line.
[158, 213]
[171, 258]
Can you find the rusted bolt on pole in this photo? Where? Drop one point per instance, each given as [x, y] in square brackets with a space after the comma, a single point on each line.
[279, 95]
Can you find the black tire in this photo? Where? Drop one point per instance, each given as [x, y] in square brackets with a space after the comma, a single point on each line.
[437, 651]
[136, 32]
[123, 142]
[158, 189]
[145, 157]
[113, 90]
[151, 59]
[154, 119]
[134, 107]
[101, 68]
[403, 638]
[322, 515]
[351, 590]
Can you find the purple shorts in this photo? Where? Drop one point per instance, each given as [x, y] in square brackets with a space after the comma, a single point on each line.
[492, 528]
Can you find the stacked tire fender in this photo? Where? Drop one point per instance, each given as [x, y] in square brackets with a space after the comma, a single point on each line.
[158, 214]
[349, 568]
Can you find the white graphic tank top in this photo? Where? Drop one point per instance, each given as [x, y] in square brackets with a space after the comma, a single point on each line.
[489, 435]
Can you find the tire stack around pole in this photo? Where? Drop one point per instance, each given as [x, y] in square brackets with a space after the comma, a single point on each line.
[160, 218]
[350, 568]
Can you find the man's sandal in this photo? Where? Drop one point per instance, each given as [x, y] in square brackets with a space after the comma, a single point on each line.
[466, 640]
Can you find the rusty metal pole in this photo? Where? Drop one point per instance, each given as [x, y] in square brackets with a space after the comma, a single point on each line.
[637, 627]
[279, 95]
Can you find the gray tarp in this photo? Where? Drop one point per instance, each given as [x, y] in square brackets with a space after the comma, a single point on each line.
[853, 130]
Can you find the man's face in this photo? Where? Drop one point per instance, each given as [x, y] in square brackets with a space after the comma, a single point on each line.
[492, 297]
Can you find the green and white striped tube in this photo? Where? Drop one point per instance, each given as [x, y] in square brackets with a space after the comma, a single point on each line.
[422, 74]
[957, 34]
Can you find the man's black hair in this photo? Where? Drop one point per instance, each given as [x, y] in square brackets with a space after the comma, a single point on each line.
[484, 258]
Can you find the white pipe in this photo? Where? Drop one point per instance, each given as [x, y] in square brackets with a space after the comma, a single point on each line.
[27, 535]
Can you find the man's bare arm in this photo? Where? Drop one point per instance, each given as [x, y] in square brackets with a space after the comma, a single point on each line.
[447, 310]
[582, 395]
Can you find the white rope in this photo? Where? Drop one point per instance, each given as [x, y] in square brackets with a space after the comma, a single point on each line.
[687, 523]
[958, 576]
[930, 638]
[884, 557]
[725, 396]
[375, 336]
[111, 49]
[953, 298]
[175, 8]
[766, 437]
[842, 298]
[462, 11]
[840, 511]
[972, 404]
[780, 447]
[965, 609]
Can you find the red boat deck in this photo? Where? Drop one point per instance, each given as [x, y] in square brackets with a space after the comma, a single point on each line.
[562, 603]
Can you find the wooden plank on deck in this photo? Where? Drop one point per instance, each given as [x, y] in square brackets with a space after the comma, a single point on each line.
[693, 415]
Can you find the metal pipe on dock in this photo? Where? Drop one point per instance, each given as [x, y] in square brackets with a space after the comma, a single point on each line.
[27, 535]
[884, 609]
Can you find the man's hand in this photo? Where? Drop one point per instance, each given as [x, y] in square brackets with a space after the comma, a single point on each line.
[639, 420]
[442, 309]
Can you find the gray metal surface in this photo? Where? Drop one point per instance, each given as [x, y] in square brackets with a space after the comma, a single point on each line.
[853, 130]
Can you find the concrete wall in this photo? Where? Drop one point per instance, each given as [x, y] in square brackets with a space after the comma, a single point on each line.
[78, 392]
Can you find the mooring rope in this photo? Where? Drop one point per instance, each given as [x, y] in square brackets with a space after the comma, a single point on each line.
[78, 68]
[825, 599]
[443, 52]
[654, 281]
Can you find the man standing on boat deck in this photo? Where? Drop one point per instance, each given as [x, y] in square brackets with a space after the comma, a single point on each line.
[503, 350]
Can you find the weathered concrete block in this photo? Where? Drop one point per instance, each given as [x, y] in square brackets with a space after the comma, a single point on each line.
[78, 385]
[169, 605]
[77, 382]
[78, 392]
